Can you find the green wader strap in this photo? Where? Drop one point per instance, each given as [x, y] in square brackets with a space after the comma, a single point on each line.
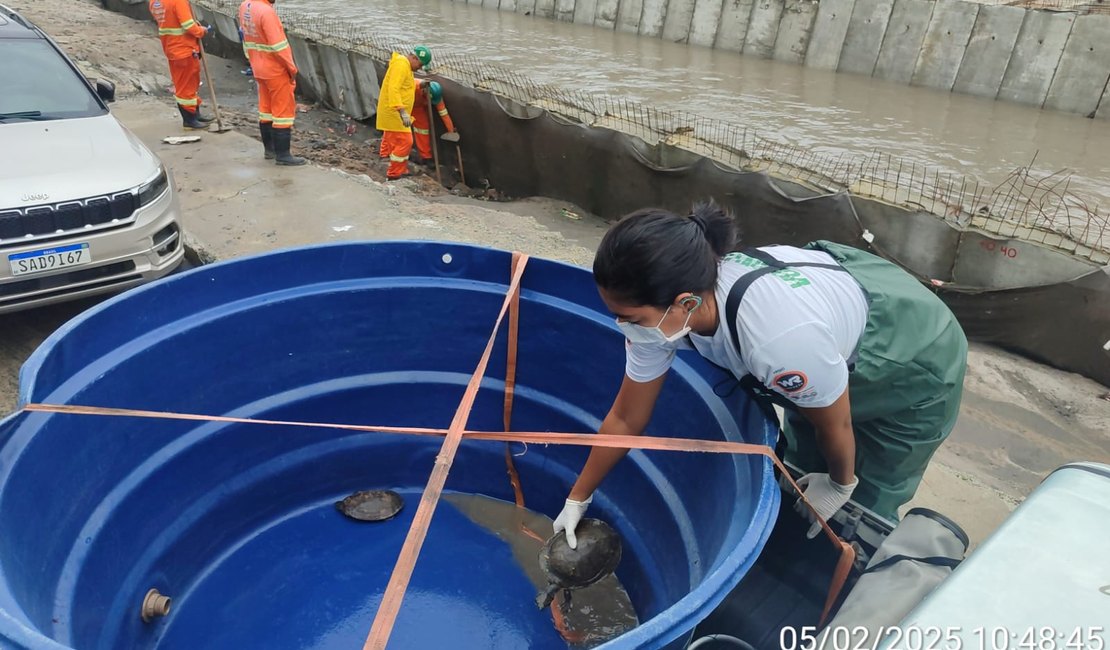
[732, 309]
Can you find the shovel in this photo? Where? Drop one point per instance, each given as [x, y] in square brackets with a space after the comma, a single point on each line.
[454, 137]
[435, 149]
[219, 126]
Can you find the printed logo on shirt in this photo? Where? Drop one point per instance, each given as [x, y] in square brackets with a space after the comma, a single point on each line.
[247, 27]
[791, 381]
[795, 279]
[790, 276]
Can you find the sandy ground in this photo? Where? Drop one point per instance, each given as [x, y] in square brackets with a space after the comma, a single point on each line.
[1019, 420]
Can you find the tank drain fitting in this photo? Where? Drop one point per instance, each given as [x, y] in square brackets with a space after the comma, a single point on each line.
[155, 605]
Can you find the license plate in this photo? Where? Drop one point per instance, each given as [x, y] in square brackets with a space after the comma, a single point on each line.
[49, 259]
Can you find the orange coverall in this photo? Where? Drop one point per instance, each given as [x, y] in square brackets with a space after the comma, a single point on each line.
[180, 35]
[272, 62]
[421, 121]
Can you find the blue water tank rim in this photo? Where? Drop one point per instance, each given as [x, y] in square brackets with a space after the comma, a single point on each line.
[29, 370]
[63, 392]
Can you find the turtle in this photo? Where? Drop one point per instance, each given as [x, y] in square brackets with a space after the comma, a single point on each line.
[597, 556]
[371, 505]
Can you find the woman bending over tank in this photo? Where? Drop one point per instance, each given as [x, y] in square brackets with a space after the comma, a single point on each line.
[867, 362]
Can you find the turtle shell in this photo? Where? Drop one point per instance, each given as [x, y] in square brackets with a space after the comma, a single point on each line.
[371, 505]
[597, 555]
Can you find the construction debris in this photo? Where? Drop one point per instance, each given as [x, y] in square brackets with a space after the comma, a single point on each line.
[181, 139]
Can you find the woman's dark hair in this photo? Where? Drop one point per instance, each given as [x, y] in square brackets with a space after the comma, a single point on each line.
[652, 255]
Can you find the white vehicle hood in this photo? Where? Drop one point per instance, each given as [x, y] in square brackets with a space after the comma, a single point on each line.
[61, 160]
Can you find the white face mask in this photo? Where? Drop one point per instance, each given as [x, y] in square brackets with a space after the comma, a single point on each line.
[640, 334]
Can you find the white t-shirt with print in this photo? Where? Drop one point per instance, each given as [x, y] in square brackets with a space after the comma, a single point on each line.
[797, 327]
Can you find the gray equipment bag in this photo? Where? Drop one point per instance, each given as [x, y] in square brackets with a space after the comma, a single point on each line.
[917, 555]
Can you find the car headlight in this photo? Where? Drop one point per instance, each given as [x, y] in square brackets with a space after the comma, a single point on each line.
[149, 192]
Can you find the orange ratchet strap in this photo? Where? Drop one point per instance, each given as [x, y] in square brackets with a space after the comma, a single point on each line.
[510, 385]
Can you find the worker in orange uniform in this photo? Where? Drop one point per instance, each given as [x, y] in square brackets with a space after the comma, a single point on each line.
[422, 121]
[180, 35]
[276, 75]
[395, 103]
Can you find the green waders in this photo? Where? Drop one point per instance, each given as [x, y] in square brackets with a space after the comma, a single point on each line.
[905, 385]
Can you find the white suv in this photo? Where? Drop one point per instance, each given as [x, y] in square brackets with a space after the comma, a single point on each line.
[85, 207]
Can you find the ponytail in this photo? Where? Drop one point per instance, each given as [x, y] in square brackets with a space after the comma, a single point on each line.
[651, 256]
[717, 225]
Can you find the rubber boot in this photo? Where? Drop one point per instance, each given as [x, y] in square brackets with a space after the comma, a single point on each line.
[282, 139]
[203, 119]
[267, 131]
[189, 119]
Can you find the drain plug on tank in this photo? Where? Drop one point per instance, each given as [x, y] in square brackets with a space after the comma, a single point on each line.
[155, 605]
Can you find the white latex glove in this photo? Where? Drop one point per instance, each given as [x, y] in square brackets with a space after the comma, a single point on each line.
[406, 119]
[570, 516]
[827, 497]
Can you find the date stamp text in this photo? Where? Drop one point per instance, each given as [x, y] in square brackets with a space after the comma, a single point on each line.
[943, 638]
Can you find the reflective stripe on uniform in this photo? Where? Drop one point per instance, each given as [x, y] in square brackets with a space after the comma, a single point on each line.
[265, 117]
[422, 131]
[283, 121]
[262, 47]
[185, 102]
[443, 113]
[188, 23]
[171, 31]
[397, 159]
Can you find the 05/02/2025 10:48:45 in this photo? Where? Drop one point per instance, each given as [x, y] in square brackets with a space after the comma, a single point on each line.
[943, 638]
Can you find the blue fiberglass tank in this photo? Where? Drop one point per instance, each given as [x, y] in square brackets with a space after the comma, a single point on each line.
[236, 522]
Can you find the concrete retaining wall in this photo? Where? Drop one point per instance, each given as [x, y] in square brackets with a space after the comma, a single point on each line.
[988, 52]
[1084, 67]
[829, 32]
[313, 82]
[628, 15]
[865, 36]
[606, 13]
[366, 80]
[763, 28]
[945, 44]
[676, 26]
[795, 29]
[905, 34]
[732, 31]
[1056, 60]
[343, 90]
[704, 22]
[1036, 54]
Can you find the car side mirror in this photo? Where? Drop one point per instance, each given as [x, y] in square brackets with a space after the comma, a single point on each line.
[106, 90]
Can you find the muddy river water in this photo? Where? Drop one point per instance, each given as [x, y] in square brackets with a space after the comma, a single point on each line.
[819, 110]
